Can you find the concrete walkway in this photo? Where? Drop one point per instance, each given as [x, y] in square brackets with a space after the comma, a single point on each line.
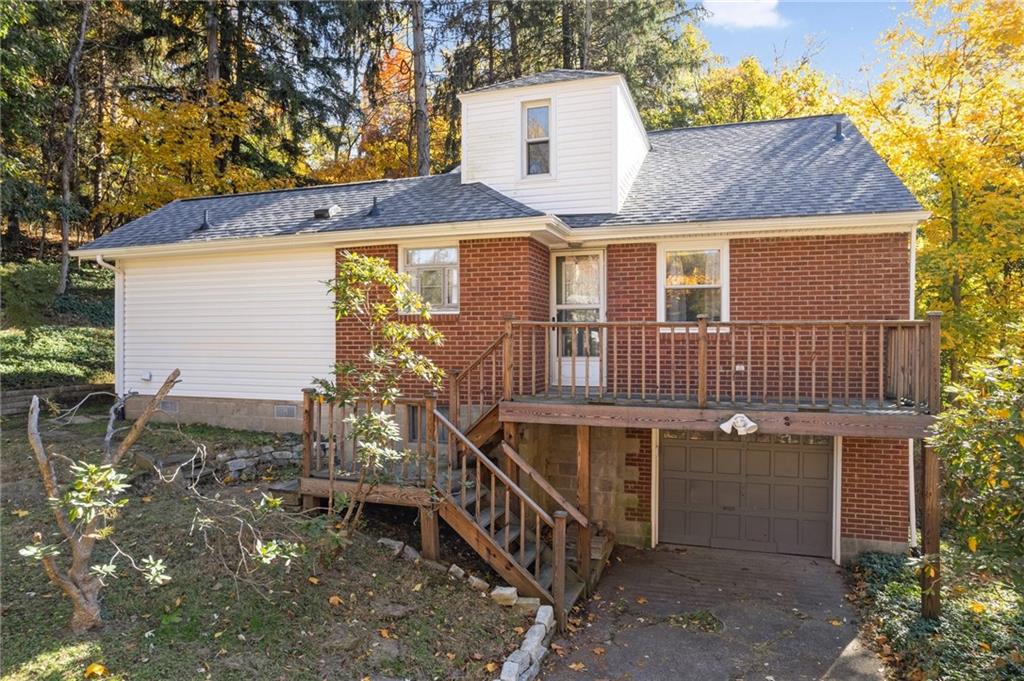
[707, 614]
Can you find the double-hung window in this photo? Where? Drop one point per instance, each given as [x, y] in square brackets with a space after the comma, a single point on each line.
[537, 143]
[693, 283]
[435, 276]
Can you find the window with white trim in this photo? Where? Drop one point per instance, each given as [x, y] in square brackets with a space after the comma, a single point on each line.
[692, 284]
[435, 276]
[537, 142]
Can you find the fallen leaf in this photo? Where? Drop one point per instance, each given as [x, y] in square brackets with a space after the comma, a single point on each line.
[577, 666]
[314, 580]
[519, 630]
[558, 650]
[336, 600]
[20, 512]
[95, 670]
[450, 656]
[418, 587]
[477, 656]
[598, 650]
[384, 633]
[641, 599]
[972, 544]
[835, 622]
[977, 607]
[984, 646]
[491, 667]
[146, 499]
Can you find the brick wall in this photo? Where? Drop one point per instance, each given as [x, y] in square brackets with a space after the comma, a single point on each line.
[864, 276]
[640, 459]
[875, 504]
[498, 277]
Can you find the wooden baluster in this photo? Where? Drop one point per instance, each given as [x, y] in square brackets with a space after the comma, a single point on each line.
[846, 369]
[482, 403]
[829, 328]
[748, 365]
[506, 365]
[508, 512]
[814, 365]
[558, 584]
[602, 355]
[863, 365]
[572, 368]
[494, 495]
[586, 362]
[718, 363]
[782, 383]
[533, 359]
[764, 364]
[319, 434]
[557, 340]
[732, 364]
[462, 481]
[643, 363]
[493, 395]
[881, 365]
[477, 483]
[702, 361]
[536, 545]
[521, 365]
[657, 364]
[330, 458]
[522, 529]
[307, 431]
[629, 361]
[796, 366]
[546, 380]
[431, 436]
[915, 367]
[614, 357]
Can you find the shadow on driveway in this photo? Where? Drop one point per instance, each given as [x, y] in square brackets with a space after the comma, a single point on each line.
[707, 614]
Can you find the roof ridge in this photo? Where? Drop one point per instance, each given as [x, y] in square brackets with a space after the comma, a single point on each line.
[738, 123]
[331, 185]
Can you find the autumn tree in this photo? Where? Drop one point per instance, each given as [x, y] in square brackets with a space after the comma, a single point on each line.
[947, 114]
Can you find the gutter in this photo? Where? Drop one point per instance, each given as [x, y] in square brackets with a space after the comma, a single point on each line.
[119, 325]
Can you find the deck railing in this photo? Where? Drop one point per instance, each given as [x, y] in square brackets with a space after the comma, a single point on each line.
[805, 364]
[329, 449]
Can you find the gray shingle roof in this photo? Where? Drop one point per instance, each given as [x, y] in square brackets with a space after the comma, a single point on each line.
[545, 78]
[410, 201]
[782, 168]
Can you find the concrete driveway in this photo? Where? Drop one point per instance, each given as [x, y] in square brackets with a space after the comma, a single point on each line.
[707, 614]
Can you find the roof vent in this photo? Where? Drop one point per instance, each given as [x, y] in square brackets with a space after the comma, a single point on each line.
[206, 220]
[839, 136]
[373, 209]
[329, 212]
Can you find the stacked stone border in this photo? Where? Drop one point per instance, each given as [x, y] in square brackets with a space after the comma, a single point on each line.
[522, 664]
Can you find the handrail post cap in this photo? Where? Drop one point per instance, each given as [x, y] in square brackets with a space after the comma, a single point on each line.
[933, 313]
[309, 391]
[561, 514]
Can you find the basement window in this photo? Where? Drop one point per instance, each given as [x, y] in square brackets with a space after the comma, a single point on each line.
[435, 276]
[537, 129]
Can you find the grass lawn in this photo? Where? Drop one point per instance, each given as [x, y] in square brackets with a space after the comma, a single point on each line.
[200, 626]
[979, 636]
[56, 355]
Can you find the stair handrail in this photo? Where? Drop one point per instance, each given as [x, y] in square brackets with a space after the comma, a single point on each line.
[544, 484]
[461, 377]
[494, 469]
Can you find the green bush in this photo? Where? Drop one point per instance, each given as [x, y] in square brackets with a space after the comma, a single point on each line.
[980, 635]
[29, 289]
[53, 355]
[980, 439]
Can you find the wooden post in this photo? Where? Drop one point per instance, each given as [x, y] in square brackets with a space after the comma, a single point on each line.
[934, 362]
[930, 567]
[510, 433]
[506, 361]
[702, 360]
[430, 537]
[583, 502]
[307, 431]
[558, 583]
[453, 398]
[429, 404]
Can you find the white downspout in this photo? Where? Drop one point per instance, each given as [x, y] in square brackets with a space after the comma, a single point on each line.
[118, 323]
[913, 494]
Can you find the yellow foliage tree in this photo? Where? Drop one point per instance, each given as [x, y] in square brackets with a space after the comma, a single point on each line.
[948, 116]
[747, 92]
[175, 149]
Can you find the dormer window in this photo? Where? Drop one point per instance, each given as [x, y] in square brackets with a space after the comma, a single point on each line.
[537, 129]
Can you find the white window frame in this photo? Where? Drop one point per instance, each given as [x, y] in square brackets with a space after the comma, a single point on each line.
[665, 247]
[523, 141]
[403, 268]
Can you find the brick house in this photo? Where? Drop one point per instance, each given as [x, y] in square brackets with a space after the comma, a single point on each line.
[611, 298]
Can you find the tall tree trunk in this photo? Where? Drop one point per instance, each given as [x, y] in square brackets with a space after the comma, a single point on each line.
[566, 36]
[585, 36]
[513, 40]
[237, 86]
[419, 65]
[69, 148]
[212, 43]
[956, 286]
[490, 42]
[99, 169]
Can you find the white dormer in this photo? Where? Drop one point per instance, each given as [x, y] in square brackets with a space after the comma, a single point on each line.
[564, 142]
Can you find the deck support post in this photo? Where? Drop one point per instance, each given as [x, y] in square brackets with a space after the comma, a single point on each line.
[930, 566]
[702, 361]
[430, 537]
[583, 503]
[558, 581]
[308, 502]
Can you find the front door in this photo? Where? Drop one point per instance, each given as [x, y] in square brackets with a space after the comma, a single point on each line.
[578, 298]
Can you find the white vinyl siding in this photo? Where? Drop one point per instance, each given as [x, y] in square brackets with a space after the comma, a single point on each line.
[632, 145]
[249, 325]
